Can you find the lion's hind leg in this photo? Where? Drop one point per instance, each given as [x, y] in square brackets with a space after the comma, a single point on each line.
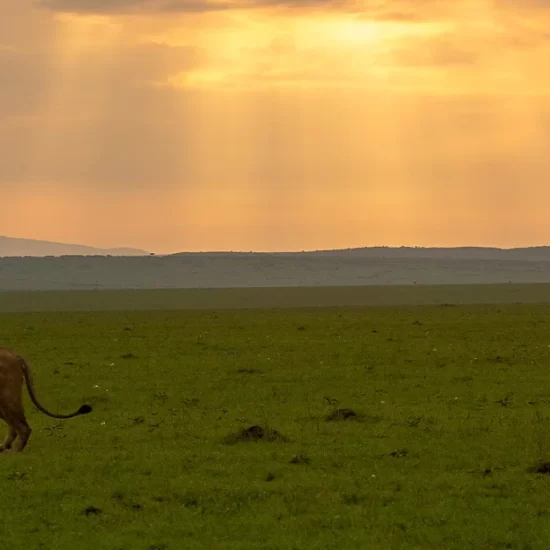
[9, 439]
[18, 428]
[10, 436]
[23, 431]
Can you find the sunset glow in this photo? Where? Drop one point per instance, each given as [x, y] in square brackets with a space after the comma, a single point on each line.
[267, 126]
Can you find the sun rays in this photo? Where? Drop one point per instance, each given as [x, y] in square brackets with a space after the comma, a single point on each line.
[75, 94]
[280, 126]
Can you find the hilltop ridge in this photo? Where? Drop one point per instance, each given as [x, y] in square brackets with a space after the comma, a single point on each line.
[535, 253]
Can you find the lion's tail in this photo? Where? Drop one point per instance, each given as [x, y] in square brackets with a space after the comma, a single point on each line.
[84, 409]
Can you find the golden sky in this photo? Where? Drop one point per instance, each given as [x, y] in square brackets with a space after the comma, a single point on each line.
[177, 125]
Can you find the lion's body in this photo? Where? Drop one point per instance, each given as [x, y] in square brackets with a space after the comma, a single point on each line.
[14, 370]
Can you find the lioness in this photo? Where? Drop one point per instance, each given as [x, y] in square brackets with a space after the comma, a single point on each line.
[13, 369]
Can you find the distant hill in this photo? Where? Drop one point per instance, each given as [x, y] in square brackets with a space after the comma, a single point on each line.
[530, 254]
[14, 247]
[55, 266]
[238, 270]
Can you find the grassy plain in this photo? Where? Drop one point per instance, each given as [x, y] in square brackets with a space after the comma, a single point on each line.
[453, 408]
[271, 297]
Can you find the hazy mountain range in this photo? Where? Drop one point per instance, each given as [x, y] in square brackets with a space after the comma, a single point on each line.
[51, 266]
[16, 247]
[10, 246]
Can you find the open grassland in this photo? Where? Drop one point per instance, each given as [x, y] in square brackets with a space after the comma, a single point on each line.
[272, 297]
[452, 408]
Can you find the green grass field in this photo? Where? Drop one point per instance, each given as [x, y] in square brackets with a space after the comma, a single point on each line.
[452, 410]
[271, 297]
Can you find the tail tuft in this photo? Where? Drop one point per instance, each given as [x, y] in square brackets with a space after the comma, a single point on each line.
[85, 409]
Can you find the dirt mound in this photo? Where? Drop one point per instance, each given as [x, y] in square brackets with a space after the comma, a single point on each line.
[300, 459]
[540, 468]
[342, 414]
[254, 433]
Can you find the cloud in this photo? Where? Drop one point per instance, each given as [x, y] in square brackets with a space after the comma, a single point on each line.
[138, 6]
[395, 10]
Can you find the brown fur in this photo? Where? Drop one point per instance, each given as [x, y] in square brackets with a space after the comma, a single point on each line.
[13, 371]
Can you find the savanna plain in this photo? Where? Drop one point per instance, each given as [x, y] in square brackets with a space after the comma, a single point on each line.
[284, 428]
